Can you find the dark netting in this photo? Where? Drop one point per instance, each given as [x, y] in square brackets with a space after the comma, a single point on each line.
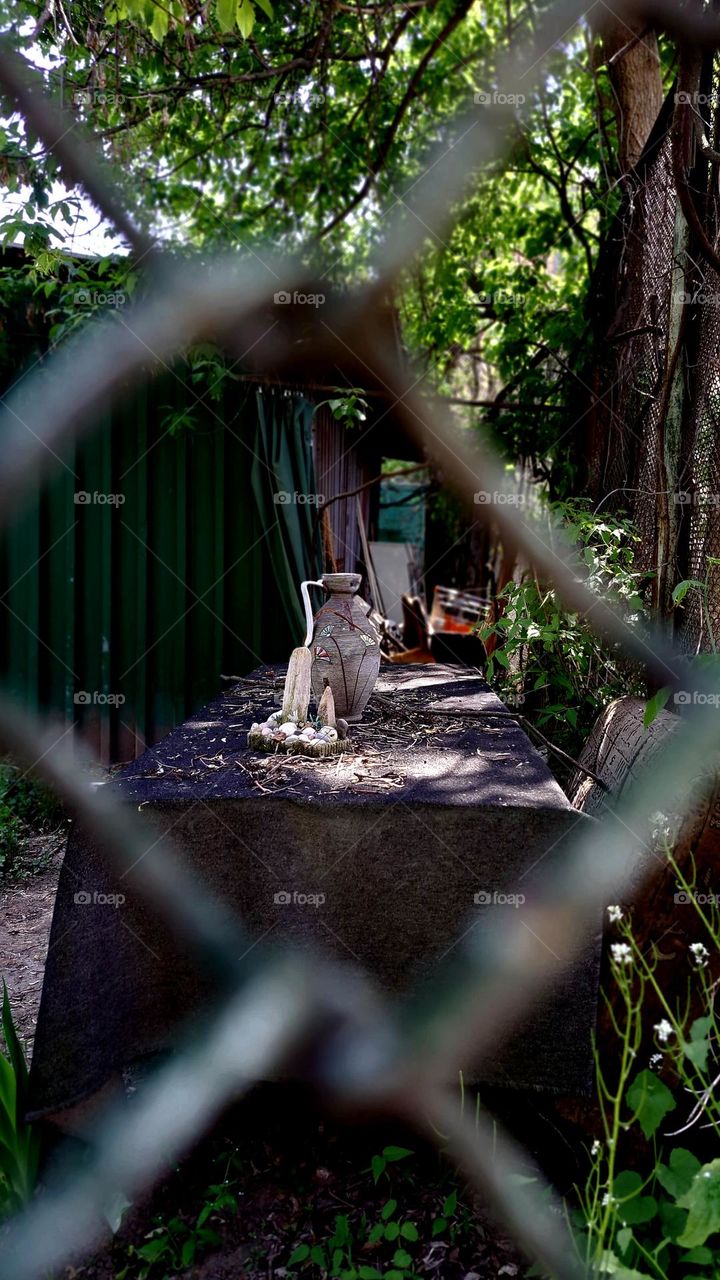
[656, 451]
[625, 467]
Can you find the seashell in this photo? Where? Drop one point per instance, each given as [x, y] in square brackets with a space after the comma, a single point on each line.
[255, 727]
[342, 728]
[277, 736]
[274, 719]
[307, 735]
[329, 734]
[288, 728]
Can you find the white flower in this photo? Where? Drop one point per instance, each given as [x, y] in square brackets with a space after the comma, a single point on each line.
[621, 953]
[595, 1147]
[663, 1030]
[700, 954]
[607, 1199]
[655, 1058]
[663, 829]
[615, 914]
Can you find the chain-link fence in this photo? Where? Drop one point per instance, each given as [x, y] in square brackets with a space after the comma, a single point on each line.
[366, 1051]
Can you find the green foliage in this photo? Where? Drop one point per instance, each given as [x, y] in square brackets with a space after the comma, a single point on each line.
[348, 407]
[303, 126]
[25, 806]
[549, 662]
[661, 1218]
[19, 1142]
[650, 1100]
[386, 1248]
[175, 1244]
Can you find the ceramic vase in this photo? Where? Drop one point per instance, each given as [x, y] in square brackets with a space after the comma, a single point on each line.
[345, 646]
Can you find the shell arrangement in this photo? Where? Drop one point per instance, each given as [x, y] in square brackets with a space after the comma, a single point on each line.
[295, 738]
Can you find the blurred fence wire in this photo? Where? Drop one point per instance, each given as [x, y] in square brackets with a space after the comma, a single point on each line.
[367, 1053]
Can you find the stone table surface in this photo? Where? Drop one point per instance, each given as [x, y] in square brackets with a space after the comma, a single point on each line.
[425, 759]
[388, 858]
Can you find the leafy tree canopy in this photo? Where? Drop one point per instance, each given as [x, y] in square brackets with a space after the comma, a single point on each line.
[302, 124]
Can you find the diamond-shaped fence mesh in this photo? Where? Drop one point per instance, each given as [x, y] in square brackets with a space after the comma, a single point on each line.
[657, 452]
[366, 1052]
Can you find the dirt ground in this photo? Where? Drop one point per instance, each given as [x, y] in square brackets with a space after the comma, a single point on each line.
[26, 906]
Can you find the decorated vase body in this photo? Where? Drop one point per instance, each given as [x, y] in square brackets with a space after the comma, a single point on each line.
[345, 647]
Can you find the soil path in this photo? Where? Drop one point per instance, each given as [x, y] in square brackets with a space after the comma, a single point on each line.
[26, 907]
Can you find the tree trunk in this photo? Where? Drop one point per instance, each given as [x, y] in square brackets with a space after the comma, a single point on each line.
[630, 52]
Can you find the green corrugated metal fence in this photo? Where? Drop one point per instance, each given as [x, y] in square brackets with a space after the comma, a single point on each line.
[148, 593]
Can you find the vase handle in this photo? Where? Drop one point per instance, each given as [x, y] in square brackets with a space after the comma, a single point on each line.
[309, 618]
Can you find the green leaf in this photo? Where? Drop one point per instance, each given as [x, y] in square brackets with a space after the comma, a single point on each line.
[673, 1220]
[266, 7]
[683, 587]
[245, 18]
[226, 14]
[401, 1258]
[409, 1231]
[624, 1239]
[392, 1231]
[651, 1100]
[698, 1047]
[696, 1051]
[388, 1209]
[701, 1255]
[153, 1249]
[396, 1153]
[678, 1178]
[703, 1202]
[299, 1254]
[450, 1204]
[639, 1209]
[160, 21]
[317, 1255]
[439, 1225]
[654, 705]
[15, 1051]
[377, 1165]
[369, 1273]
